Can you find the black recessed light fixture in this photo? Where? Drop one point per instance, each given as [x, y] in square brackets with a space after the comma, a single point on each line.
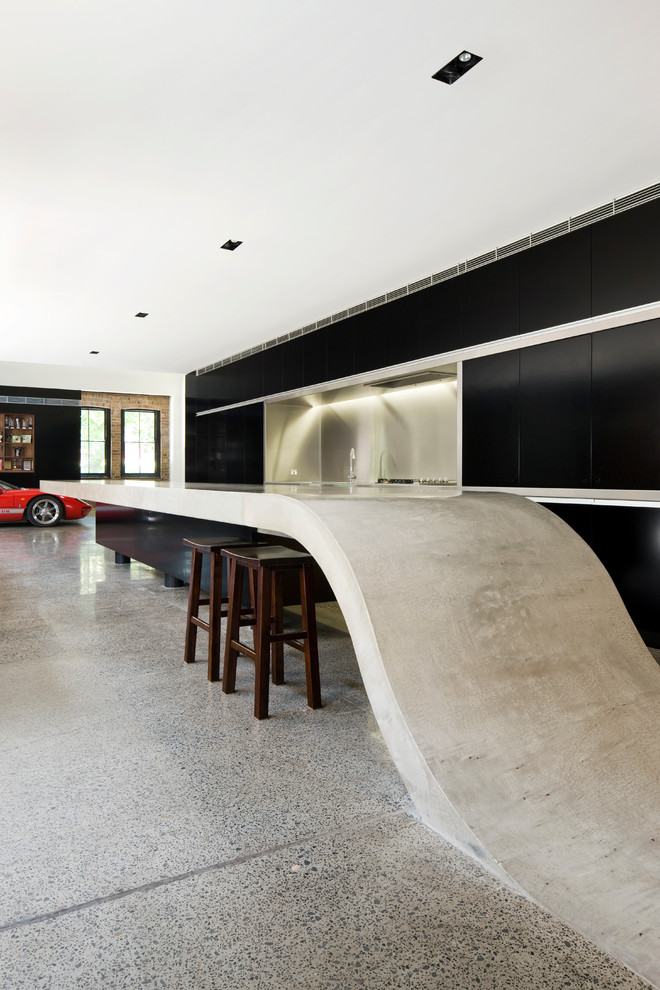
[458, 66]
[93, 352]
[231, 245]
[142, 315]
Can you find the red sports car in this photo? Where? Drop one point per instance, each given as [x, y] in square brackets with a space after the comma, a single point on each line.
[37, 507]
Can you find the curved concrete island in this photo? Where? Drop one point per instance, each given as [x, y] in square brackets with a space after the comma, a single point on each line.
[516, 697]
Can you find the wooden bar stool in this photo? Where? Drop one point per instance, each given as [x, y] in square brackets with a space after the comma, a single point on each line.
[270, 564]
[215, 601]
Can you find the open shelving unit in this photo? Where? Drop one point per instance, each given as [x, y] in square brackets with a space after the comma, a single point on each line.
[16, 443]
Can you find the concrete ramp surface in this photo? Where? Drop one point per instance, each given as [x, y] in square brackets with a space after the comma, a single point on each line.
[516, 697]
[518, 700]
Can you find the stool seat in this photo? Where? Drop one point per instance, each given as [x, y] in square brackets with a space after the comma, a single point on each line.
[269, 565]
[212, 547]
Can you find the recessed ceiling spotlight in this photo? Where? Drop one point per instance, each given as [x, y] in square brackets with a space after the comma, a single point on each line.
[93, 352]
[142, 315]
[458, 66]
[231, 245]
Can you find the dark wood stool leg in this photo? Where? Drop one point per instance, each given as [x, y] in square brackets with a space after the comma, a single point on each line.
[277, 612]
[311, 652]
[215, 612]
[235, 594]
[262, 641]
[193, 606]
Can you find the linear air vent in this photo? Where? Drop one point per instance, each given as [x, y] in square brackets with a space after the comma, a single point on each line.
[520, 245]
[481, 259]
[445, 275]
[414, 378]
[550, 232]
[421, 283]
[637, 198]
[584, 219]
[540, 237]
[397, 293]
[37, 400]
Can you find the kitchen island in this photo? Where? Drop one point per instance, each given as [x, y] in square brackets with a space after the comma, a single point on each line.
[512, 689]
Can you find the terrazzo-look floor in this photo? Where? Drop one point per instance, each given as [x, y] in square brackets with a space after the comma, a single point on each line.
[154, 834]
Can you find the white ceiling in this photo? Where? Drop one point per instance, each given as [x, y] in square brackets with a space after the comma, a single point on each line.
[139, 135]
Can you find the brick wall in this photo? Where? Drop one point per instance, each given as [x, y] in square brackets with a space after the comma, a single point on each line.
[115, 402]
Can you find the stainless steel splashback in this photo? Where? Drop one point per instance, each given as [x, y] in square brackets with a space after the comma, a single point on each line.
[406, 434]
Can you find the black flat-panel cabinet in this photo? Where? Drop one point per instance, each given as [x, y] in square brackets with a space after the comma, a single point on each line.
[315, 358]
[626, 259]
[272, 370]
[340, 349]
[386, 335]
[555, 282]
[555, 414]
[235, 446]
[293, 363]
[490, 302]
[439, 318]
[624, 538]
[626, 407]
[490, 420]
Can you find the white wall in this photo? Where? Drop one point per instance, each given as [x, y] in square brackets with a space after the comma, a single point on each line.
[108, 380]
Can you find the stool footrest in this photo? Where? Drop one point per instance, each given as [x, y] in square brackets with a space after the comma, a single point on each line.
[287, 637]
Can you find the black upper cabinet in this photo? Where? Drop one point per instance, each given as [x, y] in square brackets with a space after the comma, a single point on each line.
[386, 335]
[626, 407]
[555, 282]
[490, 420]
[315, 358]
[439, 318]
[292, 355]
[250, 373]
[555, 408]
[490, 302]
[626, 259]
[272, 370]
[340, 349]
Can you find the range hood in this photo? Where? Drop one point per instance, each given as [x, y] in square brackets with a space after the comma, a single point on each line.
[428, 377]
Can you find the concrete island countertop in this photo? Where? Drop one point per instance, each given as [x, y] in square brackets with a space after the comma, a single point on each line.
[515, 695]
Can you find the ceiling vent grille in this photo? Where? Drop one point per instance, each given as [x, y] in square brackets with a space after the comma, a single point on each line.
[422, 283]
[397, 293]
[37, 400]
[520, 245]
[480, 260]
[445, 275]
[540, 237]
[550, 232]
[584, 219]
[637, 198]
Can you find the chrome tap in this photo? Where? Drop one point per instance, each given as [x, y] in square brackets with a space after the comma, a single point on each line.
[352, 476]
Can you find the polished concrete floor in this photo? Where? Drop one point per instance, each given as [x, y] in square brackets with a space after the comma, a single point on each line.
[154, 834]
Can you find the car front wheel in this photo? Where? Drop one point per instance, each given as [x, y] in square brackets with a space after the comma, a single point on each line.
[44, 511]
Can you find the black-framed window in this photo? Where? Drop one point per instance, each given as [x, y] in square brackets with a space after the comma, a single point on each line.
[94, 442]
[140, 443]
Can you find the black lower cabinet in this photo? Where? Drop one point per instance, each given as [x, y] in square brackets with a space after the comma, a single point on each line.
[490, 420]
[625, 539]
